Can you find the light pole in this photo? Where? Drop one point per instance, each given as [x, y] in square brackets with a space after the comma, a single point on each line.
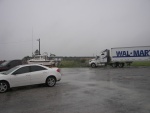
[39, 45]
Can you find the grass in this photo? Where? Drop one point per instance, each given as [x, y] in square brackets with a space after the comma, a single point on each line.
[141, 63]
[80, 63]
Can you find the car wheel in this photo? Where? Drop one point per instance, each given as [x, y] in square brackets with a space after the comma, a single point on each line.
[3, 86]
[50, 81]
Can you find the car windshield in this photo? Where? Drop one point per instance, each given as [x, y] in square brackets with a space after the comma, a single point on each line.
[5, 63]
[10, 70]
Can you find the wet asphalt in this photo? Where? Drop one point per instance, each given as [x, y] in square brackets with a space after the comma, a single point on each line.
[85, 90]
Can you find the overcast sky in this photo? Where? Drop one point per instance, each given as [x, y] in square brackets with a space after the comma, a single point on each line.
[71, 27]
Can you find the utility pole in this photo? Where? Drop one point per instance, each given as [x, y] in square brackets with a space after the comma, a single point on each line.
[32, 41]
[39, 46]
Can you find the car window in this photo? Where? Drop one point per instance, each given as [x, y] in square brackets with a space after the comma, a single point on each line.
[5, 63]
[12, 64]
[37, 68]
[10, 70]
[22, 70]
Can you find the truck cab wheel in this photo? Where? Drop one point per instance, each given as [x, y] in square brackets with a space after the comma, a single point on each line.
[93, 65]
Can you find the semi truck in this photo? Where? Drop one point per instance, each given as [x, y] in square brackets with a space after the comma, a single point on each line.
[121, 56]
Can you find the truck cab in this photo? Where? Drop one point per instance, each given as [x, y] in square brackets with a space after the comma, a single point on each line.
[100, 60]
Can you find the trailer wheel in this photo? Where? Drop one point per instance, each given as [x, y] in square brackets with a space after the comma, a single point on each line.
[128, 63]
[114, 65]
[93, 65]
[105, 64]
[121, 65]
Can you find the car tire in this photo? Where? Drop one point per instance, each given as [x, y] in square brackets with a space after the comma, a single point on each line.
[4, 86]
[51, 81]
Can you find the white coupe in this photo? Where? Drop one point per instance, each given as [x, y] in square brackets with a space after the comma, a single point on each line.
[29, 74]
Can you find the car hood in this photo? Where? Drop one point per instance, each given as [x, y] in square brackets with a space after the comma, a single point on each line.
[1, 75]
[4, 77]
[2, 72]
[92, 59]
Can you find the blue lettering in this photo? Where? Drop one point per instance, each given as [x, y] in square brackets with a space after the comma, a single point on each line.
[128, 54]
[119, 53]
[136, 53]
[149, 53]
[124, 53]
[142, 53]
[146, 53]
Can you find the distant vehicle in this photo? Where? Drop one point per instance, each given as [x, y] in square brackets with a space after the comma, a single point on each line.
[2, 61]
[29, 74]
[121, 56]
[9, 64]
[41, 59]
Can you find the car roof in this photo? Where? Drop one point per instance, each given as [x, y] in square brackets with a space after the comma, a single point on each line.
[31, 65]
[14, 60]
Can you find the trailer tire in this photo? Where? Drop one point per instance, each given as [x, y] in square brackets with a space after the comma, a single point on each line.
[128, 63]
[93, 65]
[114, 65]
[121, 65]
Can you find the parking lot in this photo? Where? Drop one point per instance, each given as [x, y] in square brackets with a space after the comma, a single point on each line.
[85, 90]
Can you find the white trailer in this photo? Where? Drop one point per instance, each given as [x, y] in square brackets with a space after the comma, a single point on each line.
[121, 56]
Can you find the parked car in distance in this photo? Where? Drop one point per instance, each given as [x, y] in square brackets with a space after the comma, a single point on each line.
[29, 74]
[9, 64]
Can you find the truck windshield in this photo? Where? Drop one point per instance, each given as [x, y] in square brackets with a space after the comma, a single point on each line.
[97, 57]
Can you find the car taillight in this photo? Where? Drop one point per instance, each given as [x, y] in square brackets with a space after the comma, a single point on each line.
[58, 70]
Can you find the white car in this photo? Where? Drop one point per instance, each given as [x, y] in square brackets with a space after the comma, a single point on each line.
[29, 74]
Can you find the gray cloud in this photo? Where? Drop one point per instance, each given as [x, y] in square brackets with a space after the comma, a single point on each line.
[72, 27]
